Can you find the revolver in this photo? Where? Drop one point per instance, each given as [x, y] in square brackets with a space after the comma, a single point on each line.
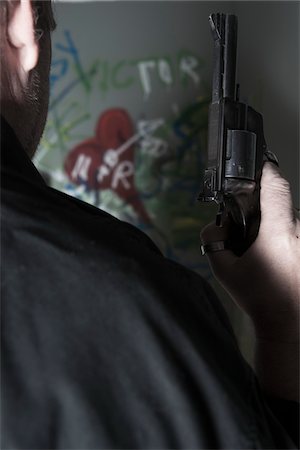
[236, 144]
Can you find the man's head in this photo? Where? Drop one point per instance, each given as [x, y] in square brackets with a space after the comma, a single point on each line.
[25, 64]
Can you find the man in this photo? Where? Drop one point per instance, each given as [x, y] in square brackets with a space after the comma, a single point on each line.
[107, 344]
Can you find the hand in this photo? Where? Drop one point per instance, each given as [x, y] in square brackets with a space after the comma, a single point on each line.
[265, 283]
[265, 280]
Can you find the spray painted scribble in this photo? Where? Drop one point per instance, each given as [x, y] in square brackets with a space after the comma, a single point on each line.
[146, 170]
[107, 75]
[106, 161]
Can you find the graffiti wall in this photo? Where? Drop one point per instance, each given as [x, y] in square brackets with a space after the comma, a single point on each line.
[139, 158]
[130, 86]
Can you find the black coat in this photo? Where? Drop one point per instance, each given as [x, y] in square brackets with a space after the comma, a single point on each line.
[106, 343]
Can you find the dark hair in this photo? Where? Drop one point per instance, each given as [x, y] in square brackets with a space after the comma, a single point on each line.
[44, 18]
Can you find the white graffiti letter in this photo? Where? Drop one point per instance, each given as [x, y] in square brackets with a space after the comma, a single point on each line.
[121, 173]
[80, 170]
[111, 158]
[159, 147]
[145, 76]
[188, 66]
[164, 71]
[147, 127]
[103, 171]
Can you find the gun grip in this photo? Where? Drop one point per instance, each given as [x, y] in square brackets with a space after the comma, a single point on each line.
[244, 215]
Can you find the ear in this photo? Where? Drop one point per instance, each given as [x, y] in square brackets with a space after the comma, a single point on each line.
[22, 39]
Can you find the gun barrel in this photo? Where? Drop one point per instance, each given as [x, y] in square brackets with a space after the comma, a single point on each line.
[230, 57]
[217, 25]
[224, 32]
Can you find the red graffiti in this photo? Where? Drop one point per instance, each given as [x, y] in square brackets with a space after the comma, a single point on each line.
[107, 160]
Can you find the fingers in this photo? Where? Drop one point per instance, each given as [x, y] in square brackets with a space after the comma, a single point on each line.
[220, 261]
[213, 233]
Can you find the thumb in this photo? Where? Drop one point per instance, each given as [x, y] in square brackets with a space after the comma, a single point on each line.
[276, 204]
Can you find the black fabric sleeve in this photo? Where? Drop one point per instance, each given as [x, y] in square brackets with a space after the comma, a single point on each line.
[288, 414]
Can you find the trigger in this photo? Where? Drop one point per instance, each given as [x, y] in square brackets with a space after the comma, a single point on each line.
[220, 215]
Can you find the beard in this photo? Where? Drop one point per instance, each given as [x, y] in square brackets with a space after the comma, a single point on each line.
[25, 109]
[36, 104]
[31, 112]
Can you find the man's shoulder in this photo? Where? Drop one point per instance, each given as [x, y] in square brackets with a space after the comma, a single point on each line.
[22, 200]
[113, 333]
